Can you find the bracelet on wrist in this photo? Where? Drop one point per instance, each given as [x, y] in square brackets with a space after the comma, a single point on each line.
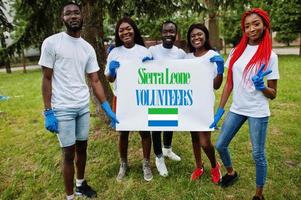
[47, 109]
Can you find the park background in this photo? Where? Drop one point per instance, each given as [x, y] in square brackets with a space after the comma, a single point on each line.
[30, 157]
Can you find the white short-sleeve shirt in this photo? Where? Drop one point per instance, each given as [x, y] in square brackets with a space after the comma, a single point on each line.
[246, 99]
[137, 52]
[206, 57]
[159, 52]
[70, 58]
[206, 60]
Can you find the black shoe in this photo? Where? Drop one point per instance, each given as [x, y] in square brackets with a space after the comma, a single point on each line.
[258, 198]
[85, 190]
[228, 180]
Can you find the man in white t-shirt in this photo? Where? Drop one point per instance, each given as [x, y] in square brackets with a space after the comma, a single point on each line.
[65, 59]
[166, 50]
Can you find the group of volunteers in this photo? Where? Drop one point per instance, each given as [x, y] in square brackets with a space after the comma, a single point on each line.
[66, 59]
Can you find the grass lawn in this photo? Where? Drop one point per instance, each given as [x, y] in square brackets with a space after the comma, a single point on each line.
[30, 157]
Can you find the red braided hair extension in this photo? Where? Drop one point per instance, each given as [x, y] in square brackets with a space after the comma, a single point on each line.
[263, 53]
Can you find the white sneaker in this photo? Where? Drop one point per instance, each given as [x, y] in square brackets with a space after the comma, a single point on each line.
[160, 164]
[167, 152]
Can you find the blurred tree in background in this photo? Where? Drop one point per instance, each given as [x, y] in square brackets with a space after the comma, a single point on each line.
[5, 26]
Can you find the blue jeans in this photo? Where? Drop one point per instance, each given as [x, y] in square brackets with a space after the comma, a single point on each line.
[257, 130]
[73, 125]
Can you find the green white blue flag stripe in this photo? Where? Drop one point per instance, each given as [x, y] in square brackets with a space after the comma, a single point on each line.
[162, 117]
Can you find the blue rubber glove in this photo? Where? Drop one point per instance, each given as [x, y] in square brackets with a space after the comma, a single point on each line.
[106, 107]
[51, 123]
[219, 62]
[258, 78]
[147, 58]
[113, 66]
[218, 115]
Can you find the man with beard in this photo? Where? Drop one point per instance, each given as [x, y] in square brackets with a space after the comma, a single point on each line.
[65, 59]
[166, 50]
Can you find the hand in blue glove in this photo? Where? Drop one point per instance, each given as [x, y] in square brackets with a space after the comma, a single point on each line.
[147, 58]
[106, 107]
[113, 66]
[258, 78]
[51, 123]
[219, 62]
[218, 115]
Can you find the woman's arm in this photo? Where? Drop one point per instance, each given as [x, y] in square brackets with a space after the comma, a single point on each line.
[225, 95]
[271, 90]
[110, 78]
[220, 111]
[217, 81]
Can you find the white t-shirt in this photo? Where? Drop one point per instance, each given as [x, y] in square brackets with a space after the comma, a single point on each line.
[137, 52]
[247, 100]
[70, 58]
[159, 52]
[206, 57]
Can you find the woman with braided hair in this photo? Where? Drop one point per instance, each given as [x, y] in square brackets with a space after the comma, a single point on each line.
[129, 45]
[249, 62]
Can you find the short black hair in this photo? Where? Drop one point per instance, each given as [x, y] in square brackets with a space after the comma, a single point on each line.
[71, 3]
[203, 28]
[137, 36]
[168, 22]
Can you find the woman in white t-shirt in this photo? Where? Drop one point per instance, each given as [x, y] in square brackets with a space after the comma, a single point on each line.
[250, 61]
[129, 46]
[200, 48]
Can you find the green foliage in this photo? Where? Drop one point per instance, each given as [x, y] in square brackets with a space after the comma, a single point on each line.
[30, 157]
[286, 16]
[231, 29]
[151, 8]
[4, 24]
[231, 13]
[149, 15]
[151, 27]
[286, 38]
[35, 20]
[20, 19]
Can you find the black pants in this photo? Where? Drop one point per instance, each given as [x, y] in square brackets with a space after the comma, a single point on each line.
[167, 139]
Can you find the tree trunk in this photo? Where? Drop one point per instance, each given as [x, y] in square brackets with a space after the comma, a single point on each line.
[299, 44]
[23, 61]
[6, 56]
[7, 65]
[93, 33]
[213, 24]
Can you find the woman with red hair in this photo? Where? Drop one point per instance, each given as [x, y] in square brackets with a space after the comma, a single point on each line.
[249, 62]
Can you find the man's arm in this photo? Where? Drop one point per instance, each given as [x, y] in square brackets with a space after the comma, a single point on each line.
[47, 86]
[100, 95]
[51, 123]
[97, 87]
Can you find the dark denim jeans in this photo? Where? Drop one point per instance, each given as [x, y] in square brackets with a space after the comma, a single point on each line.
[257, 130]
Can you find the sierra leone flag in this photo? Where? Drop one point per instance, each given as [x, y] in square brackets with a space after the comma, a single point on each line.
[162, 117]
